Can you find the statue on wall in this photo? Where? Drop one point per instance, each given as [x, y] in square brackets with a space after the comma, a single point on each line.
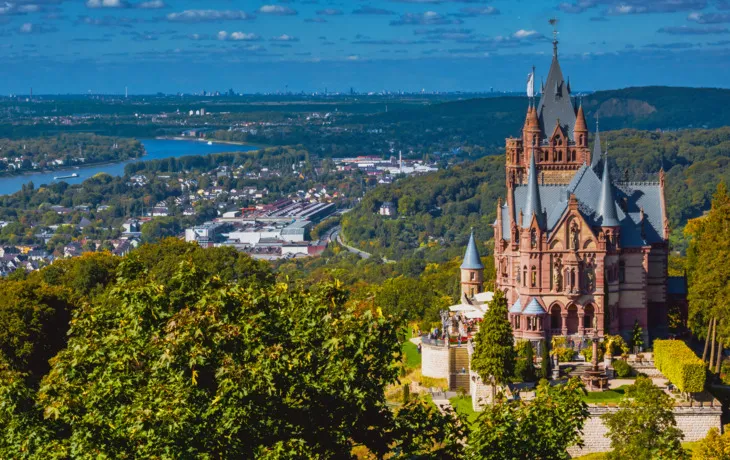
[557, 278]
[590, 279]
[574, 236]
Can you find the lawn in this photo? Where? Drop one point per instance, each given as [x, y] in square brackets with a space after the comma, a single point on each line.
[462, 405]
[613, 396]
[413, 357]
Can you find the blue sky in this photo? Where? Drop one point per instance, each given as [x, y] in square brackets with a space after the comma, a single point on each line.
[62, 46]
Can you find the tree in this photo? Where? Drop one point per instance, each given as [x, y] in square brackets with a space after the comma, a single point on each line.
[637, 337]
[494, 353]
[189, 365]
[708, 271]
[643, 428]
[542, 428]
[545, 362]
[714, 446]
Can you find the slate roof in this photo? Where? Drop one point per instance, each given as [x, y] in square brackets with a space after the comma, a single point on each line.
[516, 307]
[471, 257]
[677, 285]
[534, 308]
[555, 103]
[629, 198]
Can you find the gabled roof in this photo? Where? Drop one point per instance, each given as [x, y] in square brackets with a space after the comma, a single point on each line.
[555, 103]
[586, 185]
[471, 257]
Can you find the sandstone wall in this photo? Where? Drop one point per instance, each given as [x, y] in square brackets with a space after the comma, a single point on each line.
[435, 361]
[694, 422]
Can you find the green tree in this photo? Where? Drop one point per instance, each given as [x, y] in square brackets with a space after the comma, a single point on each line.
[189, 365]
[643, 428]
[545, 361]
[542, 428]
[714, 446]
[637, 337]
[708, 271]
[494, 353]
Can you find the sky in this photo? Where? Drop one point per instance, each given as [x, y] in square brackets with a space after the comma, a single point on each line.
[103, 46]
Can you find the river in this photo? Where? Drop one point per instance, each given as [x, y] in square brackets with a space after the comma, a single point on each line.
[156, 149]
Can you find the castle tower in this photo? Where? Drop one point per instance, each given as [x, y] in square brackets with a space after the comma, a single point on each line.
[472, 271]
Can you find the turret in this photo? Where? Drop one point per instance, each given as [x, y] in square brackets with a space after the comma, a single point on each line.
[607, 203]
[531, 130]
[596, 156]
[532, 204]
[580, 131]
[472, 271]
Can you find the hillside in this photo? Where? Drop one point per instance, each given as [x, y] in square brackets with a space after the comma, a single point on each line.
[487, 122]
[437, 210]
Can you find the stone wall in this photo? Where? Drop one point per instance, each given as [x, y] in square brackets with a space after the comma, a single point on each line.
[435, 361]
[480, 393]
[694, 422]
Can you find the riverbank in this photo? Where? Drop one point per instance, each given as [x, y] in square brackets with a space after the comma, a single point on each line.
[155, 149]
[214, 141]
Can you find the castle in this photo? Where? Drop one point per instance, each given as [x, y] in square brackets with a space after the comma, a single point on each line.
[578, 253]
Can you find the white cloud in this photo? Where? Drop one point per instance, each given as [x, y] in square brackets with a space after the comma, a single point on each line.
[152, 5]
[278, 10]
[522, 33]
[106, 4]
[208, 16]
[284, 38]
[238, 36]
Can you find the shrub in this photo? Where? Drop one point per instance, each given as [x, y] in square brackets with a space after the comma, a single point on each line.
[616, 345]
[622, 368]
[563, 354]
[587, 353]
[680, 365]
[525, 370]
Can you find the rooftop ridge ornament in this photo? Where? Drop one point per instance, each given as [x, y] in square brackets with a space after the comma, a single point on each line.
[554, 22]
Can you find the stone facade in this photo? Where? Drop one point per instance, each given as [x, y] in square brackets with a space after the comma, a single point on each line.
[694, 422]
[577, 253]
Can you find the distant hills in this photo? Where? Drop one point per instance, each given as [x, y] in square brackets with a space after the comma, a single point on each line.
[488, 121]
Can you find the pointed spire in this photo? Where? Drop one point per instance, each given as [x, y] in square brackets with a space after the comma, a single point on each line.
[471, 257]
[597, 153]
[580, 121]
[607, 204]
[532, 204]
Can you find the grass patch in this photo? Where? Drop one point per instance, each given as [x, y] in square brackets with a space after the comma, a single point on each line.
[462, 405]
[413, 357]
[614, 395]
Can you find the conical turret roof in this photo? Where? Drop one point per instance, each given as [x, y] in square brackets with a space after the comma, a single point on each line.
[597, 153]
[580, 121]
[555, 101]
[472, 261]
[532, 204]
[607, 204]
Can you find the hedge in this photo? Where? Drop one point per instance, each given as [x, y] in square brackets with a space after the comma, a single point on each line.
[680, 365]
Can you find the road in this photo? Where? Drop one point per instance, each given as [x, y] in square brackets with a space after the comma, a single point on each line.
[336, 235]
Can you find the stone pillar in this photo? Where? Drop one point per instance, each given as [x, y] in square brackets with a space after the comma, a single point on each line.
[564, 322]
[581, 322]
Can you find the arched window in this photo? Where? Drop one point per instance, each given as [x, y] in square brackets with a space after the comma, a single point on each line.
[524, 276]
[534, 140]
[533, 277]
[472, 276]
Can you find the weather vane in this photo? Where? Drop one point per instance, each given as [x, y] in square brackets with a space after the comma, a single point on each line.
[554, 22]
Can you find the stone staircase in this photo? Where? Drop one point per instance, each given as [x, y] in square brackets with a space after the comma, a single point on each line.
[458, 360]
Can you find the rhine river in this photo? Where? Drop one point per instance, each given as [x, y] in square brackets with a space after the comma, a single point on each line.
[156, 149]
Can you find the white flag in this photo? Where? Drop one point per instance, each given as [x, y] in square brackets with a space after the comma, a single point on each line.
[531, 84]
